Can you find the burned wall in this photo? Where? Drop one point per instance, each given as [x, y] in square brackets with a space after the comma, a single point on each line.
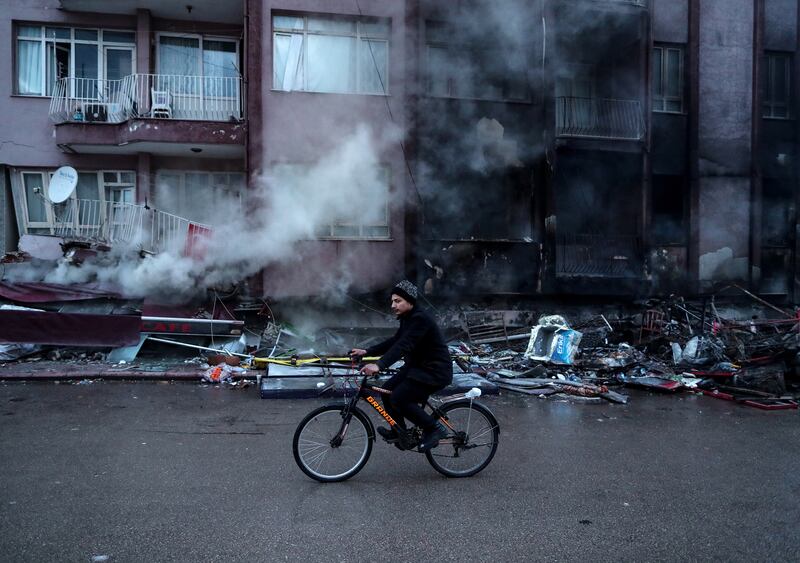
[477, 121]
[725, 138]
[596, 193]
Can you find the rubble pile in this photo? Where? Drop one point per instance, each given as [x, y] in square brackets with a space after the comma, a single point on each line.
[670, 346]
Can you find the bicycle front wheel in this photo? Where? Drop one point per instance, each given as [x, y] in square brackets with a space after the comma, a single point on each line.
[471, 441]
[326, 455]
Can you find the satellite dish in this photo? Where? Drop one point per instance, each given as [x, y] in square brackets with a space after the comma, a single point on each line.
[62, 184]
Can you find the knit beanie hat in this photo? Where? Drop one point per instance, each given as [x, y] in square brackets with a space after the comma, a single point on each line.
[406, 290]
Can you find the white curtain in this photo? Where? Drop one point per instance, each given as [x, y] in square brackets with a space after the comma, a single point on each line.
[331, 65]
[287, 62]
[179, 56]
[220, 69]
[29, 67]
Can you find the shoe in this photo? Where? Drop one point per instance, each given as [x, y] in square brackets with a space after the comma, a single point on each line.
[388, 434]
[430, 439]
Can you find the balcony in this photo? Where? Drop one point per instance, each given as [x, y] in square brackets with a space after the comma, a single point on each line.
[128, 224]
[598, 255]
[597, 118]
[157, 96]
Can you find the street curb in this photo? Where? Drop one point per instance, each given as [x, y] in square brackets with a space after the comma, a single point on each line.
[57, 371]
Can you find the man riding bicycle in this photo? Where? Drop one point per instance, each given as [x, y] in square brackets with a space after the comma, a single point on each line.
[427, 367]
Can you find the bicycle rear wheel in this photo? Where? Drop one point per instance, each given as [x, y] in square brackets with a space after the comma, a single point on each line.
[472, 444]
[317, 452]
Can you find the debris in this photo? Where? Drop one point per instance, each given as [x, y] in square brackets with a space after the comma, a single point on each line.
[655, 383]
[553, 341]
[222, 373]
[15, 351]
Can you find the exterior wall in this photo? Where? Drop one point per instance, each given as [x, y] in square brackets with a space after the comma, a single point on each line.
[780, 25]
[28, 133]
[670, 20]
[725, 138]
[301, 127]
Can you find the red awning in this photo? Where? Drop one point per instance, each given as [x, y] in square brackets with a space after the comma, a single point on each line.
[40, 292]
[68, 329]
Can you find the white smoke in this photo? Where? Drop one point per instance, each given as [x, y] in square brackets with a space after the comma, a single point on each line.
[288, 204]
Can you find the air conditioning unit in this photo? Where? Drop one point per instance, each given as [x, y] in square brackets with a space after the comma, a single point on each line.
[95, 112]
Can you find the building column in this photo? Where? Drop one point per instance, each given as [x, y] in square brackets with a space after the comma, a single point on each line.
[143, 183]
[794, 286]
[693, 55]
[143, 42]
[254, 71]
[756, 180]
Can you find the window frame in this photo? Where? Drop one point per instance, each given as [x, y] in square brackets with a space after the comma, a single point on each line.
[450, 50]
[201, 38]
[332, 224]
[214, 188]
[659, 100]
[361, 37]
[769, 105]
[46, 174]
[43, 42]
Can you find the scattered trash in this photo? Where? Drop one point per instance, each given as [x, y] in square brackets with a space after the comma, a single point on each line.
[553, 341]
[222, 373]
[13, 351]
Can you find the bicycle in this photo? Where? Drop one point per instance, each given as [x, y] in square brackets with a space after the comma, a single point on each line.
[333, 442]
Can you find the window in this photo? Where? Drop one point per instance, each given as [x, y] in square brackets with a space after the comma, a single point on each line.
[777, 85]
[119, 187]
[198, 56]
[199, 196]
[667, 79]
[669, 205]
[48, 54]
[327, 54]
[366, 222]
[84, 211]
[457, 68]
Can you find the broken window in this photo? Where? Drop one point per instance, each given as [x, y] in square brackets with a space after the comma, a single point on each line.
[777, 85]
[778, 210]
[370, 220]
[669, 204]
[667, 78]
[330, 54]
[458, 66]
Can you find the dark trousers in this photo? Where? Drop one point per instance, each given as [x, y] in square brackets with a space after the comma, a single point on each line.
[406, 400]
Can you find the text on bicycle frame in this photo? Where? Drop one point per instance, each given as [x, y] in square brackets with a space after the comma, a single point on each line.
[378, 407]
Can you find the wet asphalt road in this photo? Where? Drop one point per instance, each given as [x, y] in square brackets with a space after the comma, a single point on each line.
[181, 472]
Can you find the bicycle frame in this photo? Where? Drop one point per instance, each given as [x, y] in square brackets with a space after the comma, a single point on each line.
[365, 391]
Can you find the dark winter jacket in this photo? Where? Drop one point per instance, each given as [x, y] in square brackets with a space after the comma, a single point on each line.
[420, 343]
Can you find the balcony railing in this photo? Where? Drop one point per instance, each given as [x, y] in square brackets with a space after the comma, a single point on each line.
[640, 3]
[162, 96]
[599, 118]
[129, 224]
[598, 255]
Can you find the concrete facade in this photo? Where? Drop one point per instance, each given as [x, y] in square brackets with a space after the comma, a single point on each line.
[570, 178]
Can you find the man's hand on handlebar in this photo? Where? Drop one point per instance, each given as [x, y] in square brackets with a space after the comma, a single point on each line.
[357, 352]
[370, 369]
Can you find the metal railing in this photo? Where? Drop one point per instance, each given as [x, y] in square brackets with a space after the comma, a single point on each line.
[100, 221]
[599, 118]
[162, 96]
[640, 3]
[598, 255]
[89, 99]
[129, 224]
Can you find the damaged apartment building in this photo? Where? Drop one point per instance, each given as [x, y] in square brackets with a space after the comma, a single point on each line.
[546, 147]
